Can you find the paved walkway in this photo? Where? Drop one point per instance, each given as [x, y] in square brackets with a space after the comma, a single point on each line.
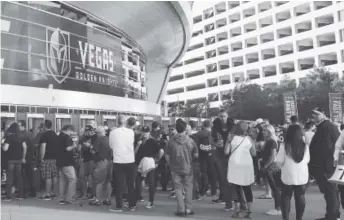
[33, 209]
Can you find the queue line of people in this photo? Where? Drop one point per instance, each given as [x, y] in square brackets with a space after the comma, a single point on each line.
[232, 155]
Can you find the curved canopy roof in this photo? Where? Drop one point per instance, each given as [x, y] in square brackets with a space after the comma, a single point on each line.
[161, 29]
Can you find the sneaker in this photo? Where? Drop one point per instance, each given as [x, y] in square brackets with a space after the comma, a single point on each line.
[45, 198]
[141, 199]
[82, 198]
[149, 206]
[67, 203]
[180, 214]
[132, 209]
[190, 212]
[95, 203]
[62, 202]
[229, 207]
[106, 202]
[173, 195]
[218, 201]
[274, 212]
[116, 210]
[7, 200]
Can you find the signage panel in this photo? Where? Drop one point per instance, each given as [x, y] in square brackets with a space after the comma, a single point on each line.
[336, 107]
[290, 105]
[41, 49]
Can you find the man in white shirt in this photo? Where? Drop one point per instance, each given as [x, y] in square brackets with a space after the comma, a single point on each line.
[121, 142]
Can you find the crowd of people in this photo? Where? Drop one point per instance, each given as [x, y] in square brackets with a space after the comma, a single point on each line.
[225, 155]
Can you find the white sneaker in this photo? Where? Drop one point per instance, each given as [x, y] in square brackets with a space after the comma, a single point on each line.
[274, 212]
[149, 206]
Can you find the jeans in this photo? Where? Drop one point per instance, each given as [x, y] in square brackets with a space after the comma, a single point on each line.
[274, 179]
[341, 190]
[67, 177]
[28, 181]
[220, 167]
[14, 170]
[300, 201]
[150, 178]
[256, 170]
[102, 175]
[208, 175]
[329, 190]
[125, 176]
[183, 182]
[196, 180]
[86, 177]
[227, 191]
[163, 173]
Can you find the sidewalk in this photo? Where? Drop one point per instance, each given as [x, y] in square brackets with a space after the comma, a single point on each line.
[33, 209]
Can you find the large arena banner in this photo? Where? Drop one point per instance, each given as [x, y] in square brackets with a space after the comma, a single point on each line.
[336, 107]
[41, 49]
[290, 105]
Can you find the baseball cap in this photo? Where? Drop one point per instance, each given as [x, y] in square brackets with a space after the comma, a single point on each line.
[318, 111]
[145, 129]
[259, 121]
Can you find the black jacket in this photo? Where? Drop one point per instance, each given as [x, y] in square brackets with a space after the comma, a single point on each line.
[322, 146]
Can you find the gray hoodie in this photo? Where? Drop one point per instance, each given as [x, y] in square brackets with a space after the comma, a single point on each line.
[181, 150]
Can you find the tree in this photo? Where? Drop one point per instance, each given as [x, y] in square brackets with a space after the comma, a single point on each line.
[176, 109]
[314, 91]
[248, 102]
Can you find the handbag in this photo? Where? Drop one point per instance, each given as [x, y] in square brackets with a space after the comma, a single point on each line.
[232, 151]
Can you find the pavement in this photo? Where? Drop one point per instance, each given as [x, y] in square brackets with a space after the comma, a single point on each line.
[34, 209]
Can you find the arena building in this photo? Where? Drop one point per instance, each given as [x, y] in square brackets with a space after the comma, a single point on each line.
[76, 62]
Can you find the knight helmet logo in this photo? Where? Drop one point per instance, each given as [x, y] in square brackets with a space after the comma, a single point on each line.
[58, 53]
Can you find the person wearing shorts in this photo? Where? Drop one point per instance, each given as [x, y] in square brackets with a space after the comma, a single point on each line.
[102, 174]
[48, 155]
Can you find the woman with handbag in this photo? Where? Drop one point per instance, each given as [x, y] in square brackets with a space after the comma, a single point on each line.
[269, 168]
[293, 158]
[240, 168]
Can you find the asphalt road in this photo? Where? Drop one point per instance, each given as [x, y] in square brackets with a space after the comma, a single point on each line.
[33, 209]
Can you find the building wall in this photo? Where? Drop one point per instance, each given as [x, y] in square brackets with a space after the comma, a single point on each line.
[58, 65]
[260, 41]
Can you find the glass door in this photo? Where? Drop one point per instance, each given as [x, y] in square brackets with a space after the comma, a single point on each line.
[34, 123]
[6, 121]
[60, 122]
[110, 123]
[87, 120]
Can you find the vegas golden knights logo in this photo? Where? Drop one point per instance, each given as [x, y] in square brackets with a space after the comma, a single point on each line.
[58, 53]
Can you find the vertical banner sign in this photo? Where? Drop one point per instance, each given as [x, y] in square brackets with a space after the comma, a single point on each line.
[290, 105]
[336, 107]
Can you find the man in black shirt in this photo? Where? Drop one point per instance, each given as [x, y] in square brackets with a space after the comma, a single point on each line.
[102, 174]
[65, 164]
[321, 162]
[87, 166]
[27, 137]
[48, 155]
[222, 126]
